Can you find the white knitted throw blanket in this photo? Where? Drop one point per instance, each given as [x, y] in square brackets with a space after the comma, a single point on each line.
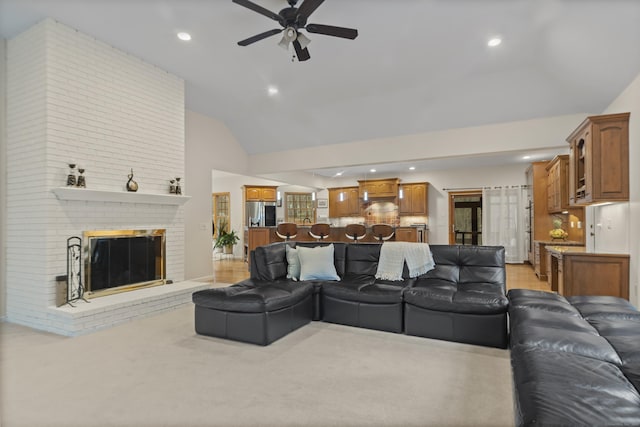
[394, 254]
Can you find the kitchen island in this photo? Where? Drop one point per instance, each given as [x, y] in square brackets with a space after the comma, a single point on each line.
[575, 271]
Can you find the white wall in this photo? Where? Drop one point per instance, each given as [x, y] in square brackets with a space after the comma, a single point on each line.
[71, 98]
[498, 138]
[209, 145]
[3, 177]
[629, 100]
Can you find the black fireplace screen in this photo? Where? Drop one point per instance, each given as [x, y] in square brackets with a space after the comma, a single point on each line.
[116, 261]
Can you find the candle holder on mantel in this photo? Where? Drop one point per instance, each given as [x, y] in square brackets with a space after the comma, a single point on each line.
[82, 183]
[172, 186]
[178, 188]
[71, 177]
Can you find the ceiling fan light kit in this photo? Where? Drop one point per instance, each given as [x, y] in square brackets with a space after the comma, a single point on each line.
[293, 19]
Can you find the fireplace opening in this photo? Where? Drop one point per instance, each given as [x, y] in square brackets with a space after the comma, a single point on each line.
[122, 260]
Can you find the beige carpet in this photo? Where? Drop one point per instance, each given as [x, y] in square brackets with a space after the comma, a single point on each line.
[158, 372]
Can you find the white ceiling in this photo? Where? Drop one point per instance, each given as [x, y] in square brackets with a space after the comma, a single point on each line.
[416, 66]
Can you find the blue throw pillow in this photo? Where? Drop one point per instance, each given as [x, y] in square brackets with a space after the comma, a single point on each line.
[317, 263]
[293, 263]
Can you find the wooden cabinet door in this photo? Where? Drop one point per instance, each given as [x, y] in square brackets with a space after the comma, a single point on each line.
[419, 197]
[595, 274]
[268, 194]
[333, 202]
[406, 234]
[352, 202]
[253, 194]
[405, 205]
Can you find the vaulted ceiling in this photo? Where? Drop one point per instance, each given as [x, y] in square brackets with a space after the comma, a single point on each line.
[416, 66]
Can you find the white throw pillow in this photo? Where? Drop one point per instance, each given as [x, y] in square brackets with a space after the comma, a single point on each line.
[317, 263]
[293, 264]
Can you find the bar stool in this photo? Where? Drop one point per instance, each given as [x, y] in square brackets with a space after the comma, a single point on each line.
[320, 231]
[287, 230]
[355, 232]
[382, 232]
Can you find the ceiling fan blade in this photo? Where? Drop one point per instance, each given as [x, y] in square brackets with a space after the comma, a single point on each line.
[261, 10]
[259, 37]
[302, 54]
[330, 30]
[308, 7]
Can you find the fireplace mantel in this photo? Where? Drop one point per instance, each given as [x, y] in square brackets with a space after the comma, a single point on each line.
[72, 193]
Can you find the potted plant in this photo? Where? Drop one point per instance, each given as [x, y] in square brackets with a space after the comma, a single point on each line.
[226, 240]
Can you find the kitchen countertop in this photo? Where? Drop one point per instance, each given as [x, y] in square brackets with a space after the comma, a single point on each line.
[560, 242]
[578, 250]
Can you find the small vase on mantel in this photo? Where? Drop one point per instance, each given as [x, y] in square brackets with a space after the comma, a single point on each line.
[131, 184]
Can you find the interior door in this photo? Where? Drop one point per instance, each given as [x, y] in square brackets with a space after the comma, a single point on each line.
[465, 217]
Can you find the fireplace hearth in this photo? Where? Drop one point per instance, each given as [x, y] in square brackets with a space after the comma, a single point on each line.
[123, 260]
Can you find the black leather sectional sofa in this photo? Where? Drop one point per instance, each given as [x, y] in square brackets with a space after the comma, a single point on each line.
[575, 360]
[462, 299]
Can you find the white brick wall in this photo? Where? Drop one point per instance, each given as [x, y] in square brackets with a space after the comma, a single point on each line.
[74, 99]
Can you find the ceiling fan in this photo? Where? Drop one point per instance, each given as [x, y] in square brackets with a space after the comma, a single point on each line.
[293, 19]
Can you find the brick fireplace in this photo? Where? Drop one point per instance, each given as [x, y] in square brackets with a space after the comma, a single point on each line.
[74, 99]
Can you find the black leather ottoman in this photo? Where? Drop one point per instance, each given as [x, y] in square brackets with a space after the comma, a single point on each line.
[253, 311]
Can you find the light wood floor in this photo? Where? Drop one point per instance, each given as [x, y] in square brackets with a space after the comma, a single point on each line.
[232, 271]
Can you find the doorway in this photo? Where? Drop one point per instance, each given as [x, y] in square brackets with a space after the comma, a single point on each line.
[465, 217]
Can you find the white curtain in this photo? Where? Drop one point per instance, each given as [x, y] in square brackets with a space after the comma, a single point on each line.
[503, 221]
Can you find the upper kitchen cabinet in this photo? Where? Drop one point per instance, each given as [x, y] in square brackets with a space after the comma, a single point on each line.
[343, 202]
[599, 160]
[378, 188]
[260, 194]
[558, 184]
[413, 198]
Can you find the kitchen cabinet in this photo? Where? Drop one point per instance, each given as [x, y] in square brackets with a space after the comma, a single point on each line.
[378, 188]
[599, 160]
[406, 234]
[558, 184]
[413, 199]
[346, 205]
[260, 194]
[577, 272]
[257, 236]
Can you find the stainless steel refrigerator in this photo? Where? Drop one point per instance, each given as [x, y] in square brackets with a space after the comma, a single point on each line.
[261, 214]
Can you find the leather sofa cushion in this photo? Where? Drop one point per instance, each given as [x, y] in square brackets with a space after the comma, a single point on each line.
[520, 317]
[468, 298]
[366, 291]
[271, 262]
[362, 258]
[252, 296]
[604, 307]
[540, 300]
[560, 388]
[583, 343]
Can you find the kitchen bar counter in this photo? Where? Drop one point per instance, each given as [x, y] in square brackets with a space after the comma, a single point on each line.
[540, 256]
[575, 271]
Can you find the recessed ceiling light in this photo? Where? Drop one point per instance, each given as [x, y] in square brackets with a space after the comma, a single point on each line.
[272, 90]
[184, 36]
[526, 157]
[338, 173]
[494, 42]
[372, 170]
[412, 168]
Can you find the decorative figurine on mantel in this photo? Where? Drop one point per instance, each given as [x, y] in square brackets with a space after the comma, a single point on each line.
[172, 186]
[81, 181]
[131, 184]
[178, 188]
[71, 178]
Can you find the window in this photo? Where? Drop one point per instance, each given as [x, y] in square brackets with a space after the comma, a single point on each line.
[299, 208]
[221, 212]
